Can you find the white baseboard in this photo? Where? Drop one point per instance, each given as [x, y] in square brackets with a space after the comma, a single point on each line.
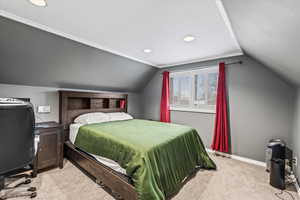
[240, 158]
[250, 161]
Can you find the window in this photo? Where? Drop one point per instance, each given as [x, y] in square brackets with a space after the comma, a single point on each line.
[194, 90]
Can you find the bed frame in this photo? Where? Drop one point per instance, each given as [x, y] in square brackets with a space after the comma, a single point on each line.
[73, 104]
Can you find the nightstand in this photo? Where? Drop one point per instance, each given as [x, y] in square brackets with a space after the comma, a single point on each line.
[50, 148]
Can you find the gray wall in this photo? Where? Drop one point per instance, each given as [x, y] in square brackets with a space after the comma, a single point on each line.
[268, 31]
[296, 133]
[260, 104]
[40, 96]
[31, 56]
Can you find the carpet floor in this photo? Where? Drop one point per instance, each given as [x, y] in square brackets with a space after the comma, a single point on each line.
[234, 180]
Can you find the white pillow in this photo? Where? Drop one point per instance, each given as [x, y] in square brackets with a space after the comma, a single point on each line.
[89, 118]
[117, 116]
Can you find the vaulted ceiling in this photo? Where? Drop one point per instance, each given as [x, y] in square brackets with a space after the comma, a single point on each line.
[29, 56]
[128, 27]
[266, 30]
[269, 31]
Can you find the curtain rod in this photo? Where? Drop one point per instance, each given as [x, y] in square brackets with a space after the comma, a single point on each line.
[195, 68]
[234, 63]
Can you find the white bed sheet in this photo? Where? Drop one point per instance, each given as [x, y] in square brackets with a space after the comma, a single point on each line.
[107, 162]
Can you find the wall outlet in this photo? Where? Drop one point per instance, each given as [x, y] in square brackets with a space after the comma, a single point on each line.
[44, 109]
[295, 161]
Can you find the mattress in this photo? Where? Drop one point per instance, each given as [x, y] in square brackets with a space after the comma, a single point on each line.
[105, 161]
[157, 156]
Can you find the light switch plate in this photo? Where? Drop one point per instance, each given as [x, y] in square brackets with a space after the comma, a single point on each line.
[44, 109]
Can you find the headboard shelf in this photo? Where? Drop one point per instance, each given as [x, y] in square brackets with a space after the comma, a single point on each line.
[79, 103]
[97, 103]
[115, 103]
[73, 104]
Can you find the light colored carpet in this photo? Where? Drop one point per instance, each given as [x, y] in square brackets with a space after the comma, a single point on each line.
[234, 180]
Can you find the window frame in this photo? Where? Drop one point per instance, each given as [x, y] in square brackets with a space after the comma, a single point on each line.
[192, 74]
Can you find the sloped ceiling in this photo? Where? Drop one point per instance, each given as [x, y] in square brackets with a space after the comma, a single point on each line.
[269, 31]
[128, 27]
[30, 56]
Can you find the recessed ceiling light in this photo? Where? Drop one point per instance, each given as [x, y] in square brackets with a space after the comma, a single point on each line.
[147, 50]
[40, 3]
[189, 38]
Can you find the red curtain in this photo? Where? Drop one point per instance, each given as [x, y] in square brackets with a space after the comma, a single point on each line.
[221, 134]
[164, 102]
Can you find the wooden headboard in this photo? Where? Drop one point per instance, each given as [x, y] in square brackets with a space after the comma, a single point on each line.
[72, 104]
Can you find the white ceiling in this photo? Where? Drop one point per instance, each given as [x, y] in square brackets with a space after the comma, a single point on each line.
[127, 27]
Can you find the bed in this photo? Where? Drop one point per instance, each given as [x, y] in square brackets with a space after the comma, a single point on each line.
[134, 159]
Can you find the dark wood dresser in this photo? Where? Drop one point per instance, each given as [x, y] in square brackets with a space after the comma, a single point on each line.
[50, 149]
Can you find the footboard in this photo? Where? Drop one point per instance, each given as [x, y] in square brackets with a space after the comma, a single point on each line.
[117, 185]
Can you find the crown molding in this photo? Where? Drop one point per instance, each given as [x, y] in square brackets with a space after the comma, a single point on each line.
[227, 22]
[201, 60]
[68, 36]
[97, 46]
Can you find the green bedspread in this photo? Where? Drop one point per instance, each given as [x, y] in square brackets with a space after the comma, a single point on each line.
[157, 156]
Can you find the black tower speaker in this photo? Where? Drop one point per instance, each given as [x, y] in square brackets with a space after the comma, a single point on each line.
[277, 173]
